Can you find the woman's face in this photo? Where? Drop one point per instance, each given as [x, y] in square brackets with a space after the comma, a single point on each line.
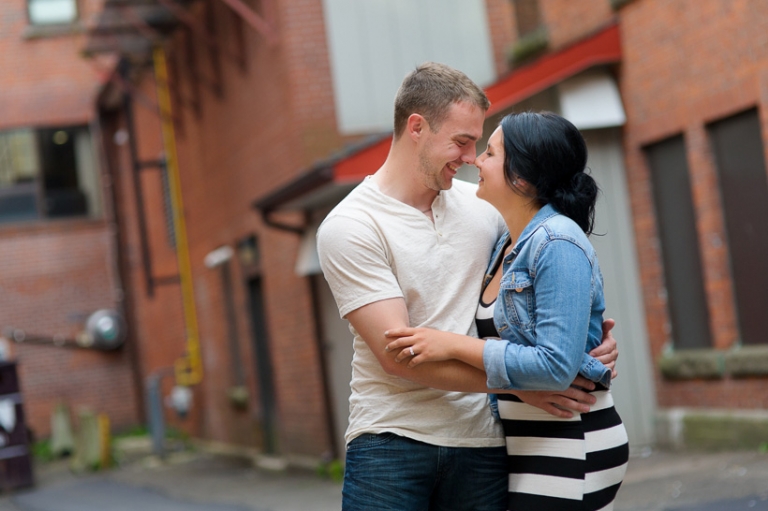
[492, 185]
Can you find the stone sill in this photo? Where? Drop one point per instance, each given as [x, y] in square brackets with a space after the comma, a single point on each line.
[44, 31]
[741, 362]
[711, 429]
[529, 47]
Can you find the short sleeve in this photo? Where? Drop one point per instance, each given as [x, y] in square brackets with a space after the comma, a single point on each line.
[355, 263]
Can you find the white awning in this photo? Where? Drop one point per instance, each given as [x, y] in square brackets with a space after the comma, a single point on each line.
[591, 100]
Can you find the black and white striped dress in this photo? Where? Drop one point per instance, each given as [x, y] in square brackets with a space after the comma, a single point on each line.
[560, 464]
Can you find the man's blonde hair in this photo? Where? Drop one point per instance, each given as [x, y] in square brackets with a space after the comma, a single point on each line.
[430, 90]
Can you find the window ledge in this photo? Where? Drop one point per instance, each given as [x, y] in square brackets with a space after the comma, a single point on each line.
[50, 225]
[43, 31]
[739, 362]
[529, 47]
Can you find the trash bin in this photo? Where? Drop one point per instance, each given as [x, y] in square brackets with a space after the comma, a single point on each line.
[15, 456]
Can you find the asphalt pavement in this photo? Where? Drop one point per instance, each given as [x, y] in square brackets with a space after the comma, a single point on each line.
[202, 481]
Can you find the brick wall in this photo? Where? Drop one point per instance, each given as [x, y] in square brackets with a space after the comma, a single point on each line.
[44, 82]
[683, 68]
[501, 26]
[569, 21]
[272, 118]
[53, 274]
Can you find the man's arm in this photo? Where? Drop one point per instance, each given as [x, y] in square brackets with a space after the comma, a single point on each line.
[372, 320]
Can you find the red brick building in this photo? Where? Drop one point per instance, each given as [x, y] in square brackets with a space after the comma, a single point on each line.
[58, 249]
[672, 103]
[279, 107]
[253, 106]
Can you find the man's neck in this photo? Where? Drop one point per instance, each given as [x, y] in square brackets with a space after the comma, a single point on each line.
[399, 178]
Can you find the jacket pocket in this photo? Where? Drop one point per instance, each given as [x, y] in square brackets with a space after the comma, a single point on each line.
[517, 289]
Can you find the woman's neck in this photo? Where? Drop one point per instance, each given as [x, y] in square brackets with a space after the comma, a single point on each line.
[518, 216]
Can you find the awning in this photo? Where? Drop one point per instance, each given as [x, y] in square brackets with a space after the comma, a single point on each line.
[329, 181]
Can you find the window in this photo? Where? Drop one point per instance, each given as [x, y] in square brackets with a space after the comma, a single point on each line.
[52, 12]
[740, 158]
[532, 36]
[527, 17]
[47, 173]
[679, 244]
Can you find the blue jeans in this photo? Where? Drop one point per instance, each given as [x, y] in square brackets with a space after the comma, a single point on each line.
[388, 472]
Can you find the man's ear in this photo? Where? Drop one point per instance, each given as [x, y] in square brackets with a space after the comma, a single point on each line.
[415, 126]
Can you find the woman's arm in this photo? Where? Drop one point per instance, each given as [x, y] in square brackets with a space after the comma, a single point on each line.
[562, 298]
[430, 345]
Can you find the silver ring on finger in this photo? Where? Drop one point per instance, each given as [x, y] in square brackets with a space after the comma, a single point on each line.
[411, 351]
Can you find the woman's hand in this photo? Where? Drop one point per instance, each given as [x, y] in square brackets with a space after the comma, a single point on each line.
[608, 351]
[419, 345]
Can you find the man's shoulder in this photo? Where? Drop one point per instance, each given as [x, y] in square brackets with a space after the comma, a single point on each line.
[354, 207]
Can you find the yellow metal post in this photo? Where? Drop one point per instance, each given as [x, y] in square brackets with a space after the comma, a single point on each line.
[188, 369]
[105, 441]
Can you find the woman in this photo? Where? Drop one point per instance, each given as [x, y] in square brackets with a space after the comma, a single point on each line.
[541, 311]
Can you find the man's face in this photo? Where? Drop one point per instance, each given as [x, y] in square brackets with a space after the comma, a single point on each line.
[442, 153]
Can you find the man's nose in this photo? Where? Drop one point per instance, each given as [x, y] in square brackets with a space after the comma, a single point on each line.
[468, 156]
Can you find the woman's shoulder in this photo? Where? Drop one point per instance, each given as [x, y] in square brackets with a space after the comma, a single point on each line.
[560, 226]
[555, 231]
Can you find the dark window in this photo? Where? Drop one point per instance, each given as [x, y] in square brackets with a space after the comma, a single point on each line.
[527, 16]
[19, 169]
[679, 244]
[52, 12]
[738, 148]
[47, 173]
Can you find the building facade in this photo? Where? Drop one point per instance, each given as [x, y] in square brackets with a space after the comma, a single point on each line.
[58, 251]
[671, 102]
[224, 131]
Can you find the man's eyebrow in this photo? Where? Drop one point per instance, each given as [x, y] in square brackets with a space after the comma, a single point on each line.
[467, 135]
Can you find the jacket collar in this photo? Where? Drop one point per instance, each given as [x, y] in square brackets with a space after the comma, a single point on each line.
[544, 214]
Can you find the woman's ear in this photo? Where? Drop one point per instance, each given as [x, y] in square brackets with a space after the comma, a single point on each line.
[523, 187]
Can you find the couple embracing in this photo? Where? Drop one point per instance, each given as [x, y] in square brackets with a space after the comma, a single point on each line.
[482, 364]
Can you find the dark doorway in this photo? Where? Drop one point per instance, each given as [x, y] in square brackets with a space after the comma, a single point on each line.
[263, 363]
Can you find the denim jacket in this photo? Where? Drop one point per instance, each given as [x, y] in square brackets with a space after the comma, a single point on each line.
[549, 311]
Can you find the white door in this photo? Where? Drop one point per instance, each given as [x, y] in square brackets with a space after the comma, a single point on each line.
[633, 390]
[338, 352]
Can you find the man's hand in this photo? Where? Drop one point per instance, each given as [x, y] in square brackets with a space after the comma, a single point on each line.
[561, 403]
[608, 351]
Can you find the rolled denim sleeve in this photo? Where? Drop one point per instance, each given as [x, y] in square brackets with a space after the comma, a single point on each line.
[594, 370]
[495, 364]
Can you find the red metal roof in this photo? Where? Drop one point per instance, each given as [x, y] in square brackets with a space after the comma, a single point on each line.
[601, 48]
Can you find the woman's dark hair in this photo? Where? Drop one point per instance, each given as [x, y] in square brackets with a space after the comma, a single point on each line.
[548, 152]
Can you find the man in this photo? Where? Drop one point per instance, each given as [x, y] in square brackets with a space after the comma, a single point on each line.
[410, 246]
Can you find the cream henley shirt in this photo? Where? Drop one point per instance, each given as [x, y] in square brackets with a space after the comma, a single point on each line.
[373, 247]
